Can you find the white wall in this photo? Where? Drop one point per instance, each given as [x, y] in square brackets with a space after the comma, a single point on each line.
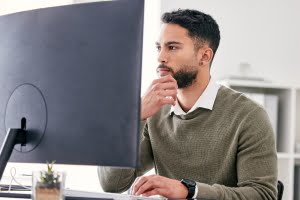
[11, 6]
[151, 30]
[265, 34]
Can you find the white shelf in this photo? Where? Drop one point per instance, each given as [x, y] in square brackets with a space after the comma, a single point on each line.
[255, 84]
[297, 156]
[284, 155]
[288, 126]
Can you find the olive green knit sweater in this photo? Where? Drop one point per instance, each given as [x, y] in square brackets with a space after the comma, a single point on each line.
[229, 151]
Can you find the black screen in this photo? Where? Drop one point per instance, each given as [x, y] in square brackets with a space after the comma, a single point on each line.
[74, 73]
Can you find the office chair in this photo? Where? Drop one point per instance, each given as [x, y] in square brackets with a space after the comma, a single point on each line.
[280, 188]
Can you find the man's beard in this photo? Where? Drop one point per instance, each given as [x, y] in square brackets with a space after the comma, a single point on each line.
[185, 77]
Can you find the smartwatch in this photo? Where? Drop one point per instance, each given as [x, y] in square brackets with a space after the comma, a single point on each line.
[190, 185]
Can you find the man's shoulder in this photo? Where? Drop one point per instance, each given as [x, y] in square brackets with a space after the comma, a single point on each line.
[235, 100]
[236, 107]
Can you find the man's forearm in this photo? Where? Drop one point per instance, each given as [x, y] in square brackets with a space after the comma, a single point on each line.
[253, 191]
[114, 179]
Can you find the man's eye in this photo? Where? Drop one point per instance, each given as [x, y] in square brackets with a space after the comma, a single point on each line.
[172, 47]
[158, 48]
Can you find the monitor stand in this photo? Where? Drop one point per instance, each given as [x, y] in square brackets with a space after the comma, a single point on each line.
[14, 136]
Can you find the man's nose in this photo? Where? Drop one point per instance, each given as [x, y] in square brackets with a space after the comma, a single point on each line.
[162, 57]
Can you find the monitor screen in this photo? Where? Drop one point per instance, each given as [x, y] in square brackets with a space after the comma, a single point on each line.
[71, 75]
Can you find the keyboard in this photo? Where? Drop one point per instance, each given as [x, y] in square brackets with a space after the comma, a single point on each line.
[115, 196]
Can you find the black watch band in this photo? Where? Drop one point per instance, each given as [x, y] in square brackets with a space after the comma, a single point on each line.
[190, 185]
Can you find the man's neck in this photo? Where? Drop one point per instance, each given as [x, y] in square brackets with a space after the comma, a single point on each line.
[187, 97]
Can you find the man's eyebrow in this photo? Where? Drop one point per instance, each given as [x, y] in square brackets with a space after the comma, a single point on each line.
[168, 43]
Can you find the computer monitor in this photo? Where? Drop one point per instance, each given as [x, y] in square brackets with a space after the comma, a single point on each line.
[70, 80]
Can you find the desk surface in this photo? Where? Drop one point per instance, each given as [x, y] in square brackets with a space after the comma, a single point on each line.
[80, 195]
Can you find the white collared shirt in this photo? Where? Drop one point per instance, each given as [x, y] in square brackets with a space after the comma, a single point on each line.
[206, 100]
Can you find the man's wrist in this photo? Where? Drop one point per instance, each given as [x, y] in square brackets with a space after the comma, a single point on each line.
[191, 186]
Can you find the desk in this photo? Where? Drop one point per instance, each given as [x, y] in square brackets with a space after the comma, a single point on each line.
[80, 195]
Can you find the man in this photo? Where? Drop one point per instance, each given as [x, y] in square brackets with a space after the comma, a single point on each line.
[204, 140]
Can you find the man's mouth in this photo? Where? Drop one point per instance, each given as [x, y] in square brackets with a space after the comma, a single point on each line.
[163, 72]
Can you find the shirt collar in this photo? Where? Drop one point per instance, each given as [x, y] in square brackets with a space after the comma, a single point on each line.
[206, 100]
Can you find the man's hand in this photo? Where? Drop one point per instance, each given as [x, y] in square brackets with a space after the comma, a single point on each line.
[159, 185]
[162, 91]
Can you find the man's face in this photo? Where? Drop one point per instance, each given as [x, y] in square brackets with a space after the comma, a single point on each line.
[177, 55]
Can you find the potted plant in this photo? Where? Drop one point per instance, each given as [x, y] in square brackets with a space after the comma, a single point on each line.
[48, 184]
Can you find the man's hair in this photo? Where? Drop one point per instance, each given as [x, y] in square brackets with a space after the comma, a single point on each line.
[201, 27]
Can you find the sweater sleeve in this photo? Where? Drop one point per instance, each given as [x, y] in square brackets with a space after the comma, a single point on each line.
[116, 179]
[256, 163]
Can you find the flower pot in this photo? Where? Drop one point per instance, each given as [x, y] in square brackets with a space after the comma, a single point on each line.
[47, 186]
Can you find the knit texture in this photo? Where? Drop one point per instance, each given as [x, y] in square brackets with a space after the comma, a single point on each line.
[229, 151]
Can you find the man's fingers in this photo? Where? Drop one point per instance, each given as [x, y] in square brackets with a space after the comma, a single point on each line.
[138, 183]
[132, 186]
[167, 100]
[145, 187]
[155, 191]
[167, 93]
[164, 86]
[169, 85]
[164, 79]
[150, 184]
[159, 185]
[158, 94]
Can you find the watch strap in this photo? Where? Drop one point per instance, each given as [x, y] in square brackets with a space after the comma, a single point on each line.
[191, 186]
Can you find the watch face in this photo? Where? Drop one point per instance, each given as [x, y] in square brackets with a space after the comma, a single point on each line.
[189, 182]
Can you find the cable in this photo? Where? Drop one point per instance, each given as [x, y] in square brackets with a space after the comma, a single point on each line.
[13, 172]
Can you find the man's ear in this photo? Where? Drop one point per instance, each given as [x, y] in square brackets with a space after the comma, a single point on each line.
[205, 56]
